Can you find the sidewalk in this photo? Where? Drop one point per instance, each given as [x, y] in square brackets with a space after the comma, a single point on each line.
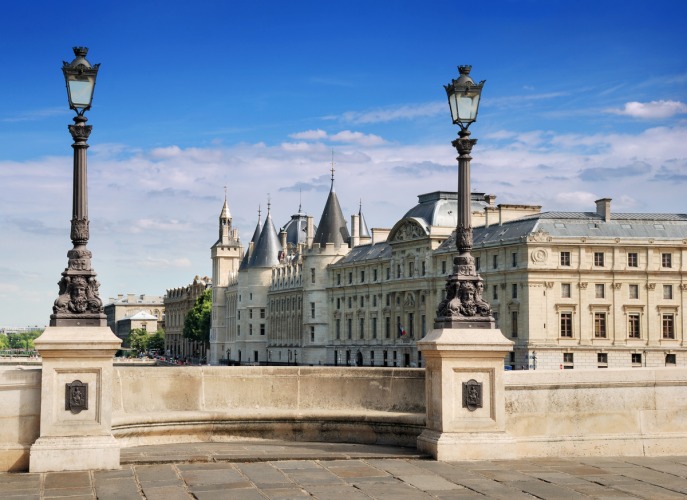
[245, 470]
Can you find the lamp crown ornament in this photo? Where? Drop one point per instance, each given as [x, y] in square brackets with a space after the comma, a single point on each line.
[463, 305]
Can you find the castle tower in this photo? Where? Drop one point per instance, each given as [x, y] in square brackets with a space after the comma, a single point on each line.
[226, 257]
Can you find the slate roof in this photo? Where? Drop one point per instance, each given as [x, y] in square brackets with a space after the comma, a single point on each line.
[266, 251]
[366, 252]
[332, 227]
[440, 208]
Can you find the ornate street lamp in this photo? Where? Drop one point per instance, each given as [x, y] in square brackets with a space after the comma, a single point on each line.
[463, 306]
[78, 303]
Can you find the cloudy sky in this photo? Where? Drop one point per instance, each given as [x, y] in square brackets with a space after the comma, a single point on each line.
[583, 100]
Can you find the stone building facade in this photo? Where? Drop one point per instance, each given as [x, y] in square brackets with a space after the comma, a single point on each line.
[178, 302]
[127, 306]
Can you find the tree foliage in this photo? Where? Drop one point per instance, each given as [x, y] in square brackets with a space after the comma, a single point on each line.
[197, 323]
[141, 340]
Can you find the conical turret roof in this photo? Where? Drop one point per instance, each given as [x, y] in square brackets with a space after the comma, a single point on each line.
[364, 231]
[332, 227]
[266, 251]
[253, 243]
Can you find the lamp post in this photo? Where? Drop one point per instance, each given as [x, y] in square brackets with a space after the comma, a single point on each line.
[463, 306]
[78, 303]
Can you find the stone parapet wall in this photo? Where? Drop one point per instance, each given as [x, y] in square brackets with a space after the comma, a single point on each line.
[20, 415]
[616, 412]
[364, 405]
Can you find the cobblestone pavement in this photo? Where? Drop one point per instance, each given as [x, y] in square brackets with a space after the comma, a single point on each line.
[279, 470]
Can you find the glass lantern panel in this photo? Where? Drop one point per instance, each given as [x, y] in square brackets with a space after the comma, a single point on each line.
[80, 92]
[454, 107]
[467, 108]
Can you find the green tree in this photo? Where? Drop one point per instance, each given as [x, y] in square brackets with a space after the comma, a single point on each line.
[157, 341]
[197, 324]
[138, 339]
[4, 342]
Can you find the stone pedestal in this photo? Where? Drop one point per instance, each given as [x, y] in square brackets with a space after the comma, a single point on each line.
[76, 400]
[465, 394]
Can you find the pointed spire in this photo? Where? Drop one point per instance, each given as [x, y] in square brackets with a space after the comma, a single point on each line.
[266, 251]
[332, 227]
[253, 242]
[363, 231]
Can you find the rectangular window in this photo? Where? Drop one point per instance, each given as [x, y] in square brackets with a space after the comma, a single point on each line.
[350, 278]
[424, 268]
[636, 359]
[250, 329]
[374, 275]
[565, 290]
[238, 314]
[514, 290]
[238, 330]
[349, 328]
[398, 271]
[372, 358]
[602, 358]
[388, 299]
[374, 300]
[668, 326]
[477, 263]
[411, 325]
[312, 334]
[494, 261]
[338, 329]
[599, 259]
[443, 267]
[600, 325]
[670, 359]
[633, 328]
[374, 328]
[666, 260]
[632, 259]
[600, 290]
[362, 328]
[514, 259]
[667, 292]
[423, 321]
[312, 310]
[566, 325]
[565, 258]
[410, 269]
[387, 327]
[362, 301]
[388, 273]
[262, 328]
[250, 313]
[312, 275]
[568, 357]
[338, 278]
[350, 303]
[634, 291]
[514, 323]
[338, 302]
[495, 292]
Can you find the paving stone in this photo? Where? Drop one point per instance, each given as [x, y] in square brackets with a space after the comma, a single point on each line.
[396, 467]
[147, 473]
[648, 491]
[21, 495]
[296, 464]
[113, 474]
[235, 495]
[396, 491]
[69, 492]
[557, 478]
[306, 477]
[541, 489]
[66, 479]
[359, 471]
[18, 478]
[503, 476]
[117, 488]
[428, 482]
[263, 474]
[493, 489]
[222, 476]
[74, 497]
[166, 493]
[285, 493]
[336, 492]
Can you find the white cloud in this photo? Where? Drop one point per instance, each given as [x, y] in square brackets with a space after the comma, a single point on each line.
[402, 112]
[310, 135]
[651, 110]
[350, 137]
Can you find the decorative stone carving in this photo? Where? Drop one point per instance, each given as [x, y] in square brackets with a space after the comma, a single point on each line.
[651, 286]
[472, 395]
[76, 397]
[582, 285]
[409, 231]
[540, 236]
[79, 232]
[617, 286]
[539, 255]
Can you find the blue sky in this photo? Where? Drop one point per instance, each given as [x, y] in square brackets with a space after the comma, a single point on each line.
[583, 100]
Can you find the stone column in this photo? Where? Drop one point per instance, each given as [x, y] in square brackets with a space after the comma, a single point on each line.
[76, 400]
[465, 394]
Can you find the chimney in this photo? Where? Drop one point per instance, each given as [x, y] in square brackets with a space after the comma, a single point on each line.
[603, 208]
[489, 198]
[309, 231]
[500, 215]
[355, 230]
[486, 216]
[282, 237]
